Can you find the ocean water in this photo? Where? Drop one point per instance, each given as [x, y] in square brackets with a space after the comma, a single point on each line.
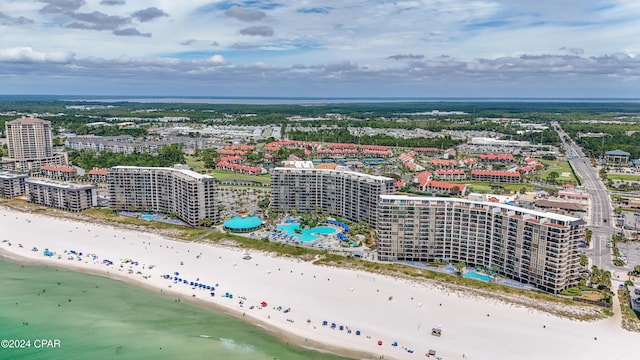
[51, 313]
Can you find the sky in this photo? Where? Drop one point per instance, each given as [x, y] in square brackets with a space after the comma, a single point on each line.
[329, 48]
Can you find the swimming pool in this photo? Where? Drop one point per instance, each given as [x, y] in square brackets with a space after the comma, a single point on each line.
[476, 276]
[307, 234]
[243, 223]
[146, 217]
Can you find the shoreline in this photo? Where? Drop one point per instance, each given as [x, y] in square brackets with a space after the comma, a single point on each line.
[283, 336]
[383, 308]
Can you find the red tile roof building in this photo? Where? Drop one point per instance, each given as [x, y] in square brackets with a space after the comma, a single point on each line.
[98, 175]
[495, 176]
[440, 187]
[497, 158]
[452, 175]
[58, 172]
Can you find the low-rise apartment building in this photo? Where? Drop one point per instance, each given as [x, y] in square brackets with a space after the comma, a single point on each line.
[529, 246]
[495, 176]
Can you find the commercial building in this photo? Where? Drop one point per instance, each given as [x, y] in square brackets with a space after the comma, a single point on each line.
[617, 158]
[528, 246]
[12, 185]
[188, 195]
[347, 194]
[59, 195]
[30, 145]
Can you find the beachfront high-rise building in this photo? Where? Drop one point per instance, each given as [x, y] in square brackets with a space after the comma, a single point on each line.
[188, 195]
[348, 194]
[12, 185]
[60, 195]
[30, 145]
[529, 246]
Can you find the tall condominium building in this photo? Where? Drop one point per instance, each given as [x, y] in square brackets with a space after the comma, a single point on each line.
[529, 246]
[30, 145]
[12, 185]
[188, 195]
[65, 196]
[351, 195]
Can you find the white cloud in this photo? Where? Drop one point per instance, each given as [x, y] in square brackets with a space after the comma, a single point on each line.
[28, 55]
[495, 40]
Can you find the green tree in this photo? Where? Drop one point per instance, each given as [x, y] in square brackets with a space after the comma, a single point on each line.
[459, 266]
[552, 177]
[209, 157]
[172, 154]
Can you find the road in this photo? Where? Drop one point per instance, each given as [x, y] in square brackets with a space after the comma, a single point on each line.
[601, 210]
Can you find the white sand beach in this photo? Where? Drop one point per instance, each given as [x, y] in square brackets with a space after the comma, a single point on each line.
[381, 308]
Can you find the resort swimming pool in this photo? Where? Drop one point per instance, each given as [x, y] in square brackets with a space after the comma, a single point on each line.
[146, 217]
[307, 234]
[243, 223]
[477, 276]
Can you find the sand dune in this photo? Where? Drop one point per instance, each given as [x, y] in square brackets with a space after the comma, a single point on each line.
[381, 308]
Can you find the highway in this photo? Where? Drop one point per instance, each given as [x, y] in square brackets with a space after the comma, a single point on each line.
[601, 210]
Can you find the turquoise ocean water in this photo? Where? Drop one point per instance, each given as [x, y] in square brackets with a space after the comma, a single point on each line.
[99, 318]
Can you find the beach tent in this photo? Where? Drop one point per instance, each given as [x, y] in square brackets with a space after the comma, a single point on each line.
[263, 304]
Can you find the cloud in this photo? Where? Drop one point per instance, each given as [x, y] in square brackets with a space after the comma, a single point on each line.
[248, 15]
[218, 60]
[61, 6]
[97, 21]
[257, 31]
[130, 32]
[148, 14]
[574, 51]
[243, 46]
[112, 2]
[405, 56]
[27, 55]
[315, 10]
[188, 42]
[8, 20]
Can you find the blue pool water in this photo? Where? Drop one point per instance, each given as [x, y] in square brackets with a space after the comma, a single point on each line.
[476, 276]
[243, 223]
[146, 217]
[307, 234]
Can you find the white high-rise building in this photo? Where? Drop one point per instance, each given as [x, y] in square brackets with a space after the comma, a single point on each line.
[188, 195]
[529, 246]
[347, 194]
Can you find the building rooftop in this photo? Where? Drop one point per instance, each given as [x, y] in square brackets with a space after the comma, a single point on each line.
[189, 173]
[28, 121]
[617, 153]
[58, 184]
[466, 202]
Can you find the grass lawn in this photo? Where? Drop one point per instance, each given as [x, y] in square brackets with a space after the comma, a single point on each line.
[228, 175]
[559, 166]
[198, 166]
[627, 177]
[485, 187]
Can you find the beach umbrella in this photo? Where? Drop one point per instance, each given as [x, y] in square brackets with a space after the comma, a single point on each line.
[379, 342]
[395, 343]
[184, 281]
[263, 304]
[325, 322]
[341, 327]
[357, 332]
